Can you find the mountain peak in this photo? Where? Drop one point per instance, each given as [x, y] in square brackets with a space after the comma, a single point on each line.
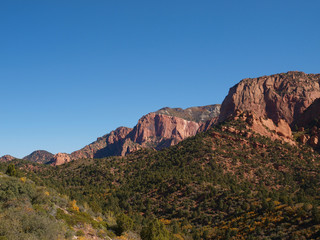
[39, 156]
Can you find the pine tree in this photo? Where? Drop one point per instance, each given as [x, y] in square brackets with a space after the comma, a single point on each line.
[11, 170]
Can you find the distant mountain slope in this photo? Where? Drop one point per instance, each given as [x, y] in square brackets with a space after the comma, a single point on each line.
[6, 158]
[279, 96]
[160, 129]
[39, 156]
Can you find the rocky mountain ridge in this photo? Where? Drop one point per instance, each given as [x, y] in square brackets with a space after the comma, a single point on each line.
[274, 104]
[160, 129]
[157, 130]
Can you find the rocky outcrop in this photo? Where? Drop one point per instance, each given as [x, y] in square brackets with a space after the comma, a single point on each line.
[6, 158]
[39, 156]
[280, 96]
[266, 127]
[60, 158]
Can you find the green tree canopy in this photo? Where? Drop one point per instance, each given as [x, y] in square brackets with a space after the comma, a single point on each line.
[155, 230]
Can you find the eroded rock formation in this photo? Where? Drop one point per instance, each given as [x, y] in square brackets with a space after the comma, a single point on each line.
[60, 158]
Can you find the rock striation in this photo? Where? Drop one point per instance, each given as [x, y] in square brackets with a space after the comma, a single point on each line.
[280, 96]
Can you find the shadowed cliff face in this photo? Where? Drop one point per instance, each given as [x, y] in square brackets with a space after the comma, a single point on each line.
[311, 116]
[108, 145]
[280, 96]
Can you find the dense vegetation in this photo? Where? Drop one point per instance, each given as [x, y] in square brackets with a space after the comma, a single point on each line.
[219, 184]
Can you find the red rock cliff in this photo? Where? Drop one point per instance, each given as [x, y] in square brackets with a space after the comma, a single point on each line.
[280, 96]
[158, 131]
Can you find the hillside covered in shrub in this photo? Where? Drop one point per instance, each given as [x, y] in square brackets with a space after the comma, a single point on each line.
[224, 183]
[28, 211]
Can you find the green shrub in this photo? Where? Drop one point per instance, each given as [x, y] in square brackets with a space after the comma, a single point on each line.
[79, 233]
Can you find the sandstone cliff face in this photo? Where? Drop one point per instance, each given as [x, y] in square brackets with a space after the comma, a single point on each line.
[39, 156]
[60, 158]
[159, 131]
[6, 158]
[280, 96]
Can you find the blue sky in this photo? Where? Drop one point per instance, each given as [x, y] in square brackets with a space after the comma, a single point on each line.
[74, 70]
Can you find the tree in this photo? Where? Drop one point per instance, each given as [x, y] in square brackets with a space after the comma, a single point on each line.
[155, 230]
[11, 170]
[124, 223]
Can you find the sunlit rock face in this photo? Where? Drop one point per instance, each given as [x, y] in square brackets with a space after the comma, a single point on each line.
[280, 96]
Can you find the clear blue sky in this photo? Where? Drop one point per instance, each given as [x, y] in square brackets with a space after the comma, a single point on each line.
[73, 70]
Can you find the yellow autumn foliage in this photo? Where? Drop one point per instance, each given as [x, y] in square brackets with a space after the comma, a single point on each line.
[165, 221]
[74, 206]
[23, 179]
